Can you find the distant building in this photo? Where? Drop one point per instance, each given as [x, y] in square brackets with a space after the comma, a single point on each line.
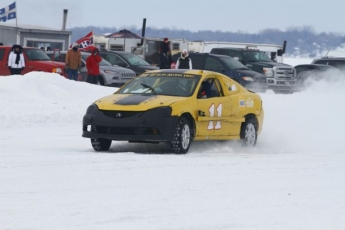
[34, 36]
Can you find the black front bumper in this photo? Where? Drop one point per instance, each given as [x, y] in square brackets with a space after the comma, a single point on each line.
[154, 125]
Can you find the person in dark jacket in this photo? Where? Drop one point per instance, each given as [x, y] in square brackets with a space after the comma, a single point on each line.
[92, 66]
[16, 62]
[184, 62]
[165, 55]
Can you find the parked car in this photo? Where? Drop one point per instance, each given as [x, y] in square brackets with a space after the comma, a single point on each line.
[127, 60]
[110, 75]
[312, 72]
[175, 106]
[337, 62]
[230, 67]
[281, 78]
[35, 60]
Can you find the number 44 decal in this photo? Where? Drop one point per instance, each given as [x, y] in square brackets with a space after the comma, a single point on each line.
[212, 111]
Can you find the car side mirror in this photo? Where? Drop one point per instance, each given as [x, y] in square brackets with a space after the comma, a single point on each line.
[122, 64]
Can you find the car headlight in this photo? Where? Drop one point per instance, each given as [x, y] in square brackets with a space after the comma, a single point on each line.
[268, 72]
[56, 70]
[109, 71]
[248, 78]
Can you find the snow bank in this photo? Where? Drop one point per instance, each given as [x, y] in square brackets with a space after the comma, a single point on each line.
[45, 98]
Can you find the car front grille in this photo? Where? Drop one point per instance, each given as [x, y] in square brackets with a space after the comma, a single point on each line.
[120, 114]
[285, 72]
[127, 130]
[127, 75]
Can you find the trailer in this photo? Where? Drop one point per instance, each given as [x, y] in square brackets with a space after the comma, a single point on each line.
[274, 51]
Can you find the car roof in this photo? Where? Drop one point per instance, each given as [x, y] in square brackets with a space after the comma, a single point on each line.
[239, 49]
[329, 58]
[321, 65]
[182, 71]
[64, 52]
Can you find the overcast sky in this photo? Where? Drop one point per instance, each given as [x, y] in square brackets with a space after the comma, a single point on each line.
[225, 15]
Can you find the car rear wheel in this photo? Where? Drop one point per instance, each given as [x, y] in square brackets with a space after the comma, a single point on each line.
[101, 144]
[182, 136]
[249, 133]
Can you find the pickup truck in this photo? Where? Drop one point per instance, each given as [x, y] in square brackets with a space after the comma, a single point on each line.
[35, 60]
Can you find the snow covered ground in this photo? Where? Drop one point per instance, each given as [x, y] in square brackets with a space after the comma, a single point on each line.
[50, 178]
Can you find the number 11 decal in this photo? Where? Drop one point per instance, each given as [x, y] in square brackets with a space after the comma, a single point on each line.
[212, 111]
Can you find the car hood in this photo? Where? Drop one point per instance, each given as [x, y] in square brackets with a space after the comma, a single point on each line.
[135, 102]
[266, 64]
[147, 67]
[53, 64]
[115, 68]
[250, 73]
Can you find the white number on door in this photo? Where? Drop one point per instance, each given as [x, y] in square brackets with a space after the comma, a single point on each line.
[212, 111]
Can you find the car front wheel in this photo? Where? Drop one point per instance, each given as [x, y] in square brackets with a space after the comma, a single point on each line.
[249, 133]
[101, 144]
[182, 136]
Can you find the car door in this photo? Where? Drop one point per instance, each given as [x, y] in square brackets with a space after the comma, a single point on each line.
[198, 61]
[4, 71]
[214, 64]
[213, 111]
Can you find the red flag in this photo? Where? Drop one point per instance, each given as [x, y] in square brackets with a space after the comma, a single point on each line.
[85, 42]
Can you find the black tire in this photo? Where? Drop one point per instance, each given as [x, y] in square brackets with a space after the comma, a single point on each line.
[249, 133]
[182, 136]
[101, 144]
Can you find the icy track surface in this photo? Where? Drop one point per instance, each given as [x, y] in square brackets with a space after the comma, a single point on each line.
[50, 178]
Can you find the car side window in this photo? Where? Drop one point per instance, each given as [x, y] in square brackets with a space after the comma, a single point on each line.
[209, 88]
[324, 62]
[339, 64]
[115, 60]
[216, 89]
[198, 61]
[235, 54]
[2, 53]
[213, 64]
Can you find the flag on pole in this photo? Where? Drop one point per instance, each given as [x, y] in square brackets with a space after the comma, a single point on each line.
[85, 42]
[8, 12]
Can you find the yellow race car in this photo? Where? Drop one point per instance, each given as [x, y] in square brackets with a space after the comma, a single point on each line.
[175, 106]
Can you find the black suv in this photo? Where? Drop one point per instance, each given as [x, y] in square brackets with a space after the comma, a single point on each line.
[337, 62]
[127, 60]
[281, 78]
[230, 67]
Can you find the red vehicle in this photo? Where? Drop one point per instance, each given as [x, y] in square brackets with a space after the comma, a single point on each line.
[35, 60]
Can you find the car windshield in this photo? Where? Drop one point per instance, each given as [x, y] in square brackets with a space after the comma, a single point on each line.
[256, 56]
[134, 59]
[36, 55]
[102, 63]
[170, 84]
[232, 63]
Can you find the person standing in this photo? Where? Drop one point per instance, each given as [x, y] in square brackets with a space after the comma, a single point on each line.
[184, 62]
[73, 62]
[16, 62]
[92, 66]
[165, 55]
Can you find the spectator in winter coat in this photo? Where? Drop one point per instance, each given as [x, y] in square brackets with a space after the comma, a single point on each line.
[184, 62]
[16, 62]
[92, 66]
[165, 55]
[73, 62]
